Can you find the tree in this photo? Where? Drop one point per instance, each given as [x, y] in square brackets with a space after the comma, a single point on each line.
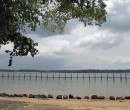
[51, 15]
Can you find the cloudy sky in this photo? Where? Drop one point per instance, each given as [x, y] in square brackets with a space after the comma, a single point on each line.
[91, 47]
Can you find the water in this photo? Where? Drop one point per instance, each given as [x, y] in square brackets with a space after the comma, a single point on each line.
[81, 86]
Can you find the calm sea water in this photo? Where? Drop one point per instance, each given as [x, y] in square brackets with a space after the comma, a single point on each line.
[76, 86]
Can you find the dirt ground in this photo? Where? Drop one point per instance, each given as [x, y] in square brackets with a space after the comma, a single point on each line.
[54, 104]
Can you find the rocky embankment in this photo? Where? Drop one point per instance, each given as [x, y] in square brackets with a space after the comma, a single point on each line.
[70, 96]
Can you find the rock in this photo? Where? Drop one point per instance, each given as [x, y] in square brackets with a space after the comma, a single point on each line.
[10, 95]
[37, 96]
[65, 97]
[25, 95]
[94, 97]
[101, 97]
[127, 97]
[77, 97]
[14, 95]
[31, 96]
[43, 96]
[112, 98]
[120, 98]
[71, 96]
[50, 96]
[4, 95]
[59, 97]
[17, 95]
[86, 97]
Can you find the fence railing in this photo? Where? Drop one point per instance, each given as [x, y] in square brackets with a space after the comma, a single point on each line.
[64, 75]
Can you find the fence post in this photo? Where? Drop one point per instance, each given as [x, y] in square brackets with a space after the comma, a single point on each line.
[47, 76]
[59, 75]
[107, 76]
[95, 75]
[113, 76]
[19, 76]
[41, 76]
[36, 76]
[30, 76]
[13, 76]
[71, 76]
[120, 76]
[8, 75]
[65, 76]
[24, 75]
[2, 75]
[125, 76]
[53, 75]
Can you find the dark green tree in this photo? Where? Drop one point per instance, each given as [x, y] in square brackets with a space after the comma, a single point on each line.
[51, 15]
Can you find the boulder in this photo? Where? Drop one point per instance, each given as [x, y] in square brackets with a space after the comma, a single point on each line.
[101, 97]
[25, 95]
[86, 97]
[112, 98]
[65, 97]
[94, 97]
[127, 97]
[59, 97]
[120, 98]
[50, 96]
[31, 96]
[37, 96]
[77, 97]
[16, 95]
[71, 96]
[4, 95]
[10, 95]
[19, 95]
[43, 96]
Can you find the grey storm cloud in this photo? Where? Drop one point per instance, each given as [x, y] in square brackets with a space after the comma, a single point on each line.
[78, 46]
[2, 56]
[42, 63]
[71, 24]
[118, 19]
[39, 31]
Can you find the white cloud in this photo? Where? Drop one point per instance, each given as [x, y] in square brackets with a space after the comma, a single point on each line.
[121, 60]
[110, 7]
[54, 47]
[6, 47]
[101, 40]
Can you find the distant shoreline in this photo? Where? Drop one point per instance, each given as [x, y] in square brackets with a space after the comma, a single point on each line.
[70, 71]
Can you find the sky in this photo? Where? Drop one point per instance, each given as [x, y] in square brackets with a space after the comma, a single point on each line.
[79, 47]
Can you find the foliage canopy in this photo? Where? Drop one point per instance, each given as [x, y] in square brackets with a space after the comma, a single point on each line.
[51, 15]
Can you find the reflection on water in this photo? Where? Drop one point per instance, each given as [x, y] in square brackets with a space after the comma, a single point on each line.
[78, 84]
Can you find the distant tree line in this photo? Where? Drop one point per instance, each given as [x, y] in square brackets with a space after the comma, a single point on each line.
[70, 71]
